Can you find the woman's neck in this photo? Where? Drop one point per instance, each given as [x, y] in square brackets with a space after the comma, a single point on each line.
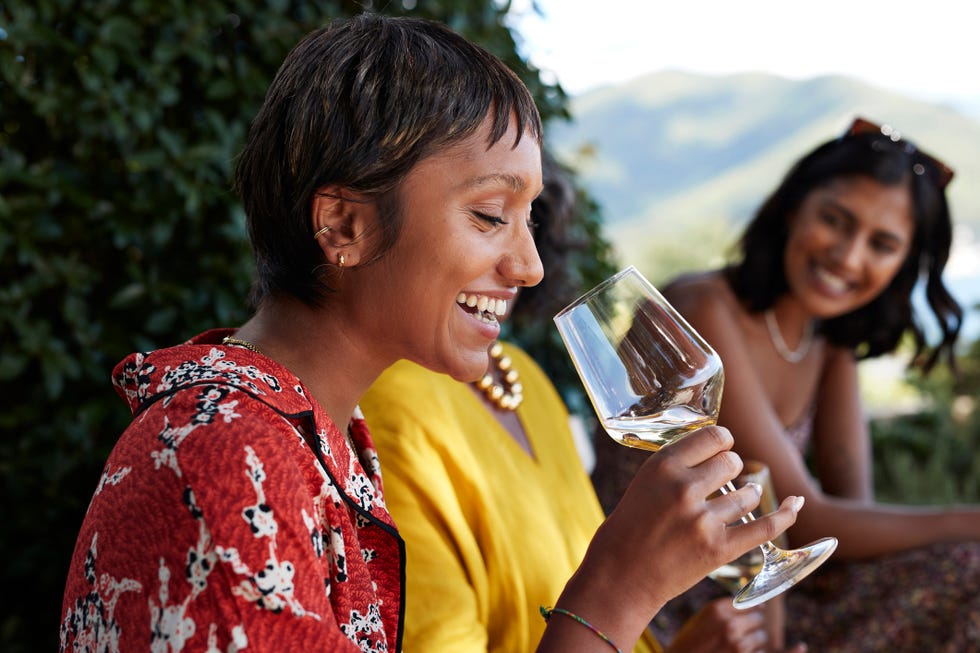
[314, 344]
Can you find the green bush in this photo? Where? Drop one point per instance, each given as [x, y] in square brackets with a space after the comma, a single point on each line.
[119, 130]
[933, 457]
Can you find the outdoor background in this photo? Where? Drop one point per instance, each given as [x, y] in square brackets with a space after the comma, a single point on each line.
[119, 127]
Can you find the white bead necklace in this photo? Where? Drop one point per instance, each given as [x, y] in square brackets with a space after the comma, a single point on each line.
[787, 354]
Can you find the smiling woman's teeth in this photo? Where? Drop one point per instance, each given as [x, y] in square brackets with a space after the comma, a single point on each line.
[487, 308]
[831, 280]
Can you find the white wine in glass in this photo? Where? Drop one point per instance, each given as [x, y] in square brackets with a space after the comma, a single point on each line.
[652, 379]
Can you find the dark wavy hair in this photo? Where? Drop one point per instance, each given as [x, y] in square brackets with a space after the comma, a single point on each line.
[358, 104]
[758, 277]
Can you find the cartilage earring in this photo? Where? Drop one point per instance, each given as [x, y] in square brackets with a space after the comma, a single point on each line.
[340, 261]
[317, 235]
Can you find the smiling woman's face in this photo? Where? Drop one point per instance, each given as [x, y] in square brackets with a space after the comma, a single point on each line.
[465, 240]
[846, 243]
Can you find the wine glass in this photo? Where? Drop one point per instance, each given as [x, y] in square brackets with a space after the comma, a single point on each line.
[652, 379]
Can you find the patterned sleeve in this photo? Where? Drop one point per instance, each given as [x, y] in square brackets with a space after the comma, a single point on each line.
[214, 534]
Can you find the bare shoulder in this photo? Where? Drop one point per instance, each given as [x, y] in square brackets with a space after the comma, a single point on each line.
[836, 357]
[702, 294]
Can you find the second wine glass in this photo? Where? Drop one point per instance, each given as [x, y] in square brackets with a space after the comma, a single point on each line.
[737, 573]
[652, 379]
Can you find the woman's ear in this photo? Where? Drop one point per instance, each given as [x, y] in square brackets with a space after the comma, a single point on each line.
[341, 221]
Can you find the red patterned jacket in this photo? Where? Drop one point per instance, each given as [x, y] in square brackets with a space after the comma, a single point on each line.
[217, 527]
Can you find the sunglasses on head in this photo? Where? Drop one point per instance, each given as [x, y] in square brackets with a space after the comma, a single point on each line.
[862, 126]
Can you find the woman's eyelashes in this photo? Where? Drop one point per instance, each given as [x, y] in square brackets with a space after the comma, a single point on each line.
[886, 245]
[494, 220]
[834, 220]
[498, 221]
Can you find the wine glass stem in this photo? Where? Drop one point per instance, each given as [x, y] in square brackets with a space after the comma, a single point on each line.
[768, 548]
[730, 487]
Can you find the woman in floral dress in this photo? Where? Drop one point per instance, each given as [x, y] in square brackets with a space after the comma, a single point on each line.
[389, 171]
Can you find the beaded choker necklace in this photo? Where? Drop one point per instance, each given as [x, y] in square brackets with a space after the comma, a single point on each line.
[240, 343]
[509, 394]
[787, 354]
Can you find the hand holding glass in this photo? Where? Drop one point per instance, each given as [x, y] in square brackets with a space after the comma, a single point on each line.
[652, 379]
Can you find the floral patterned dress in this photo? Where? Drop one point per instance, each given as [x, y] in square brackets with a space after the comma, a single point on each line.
[232, 515]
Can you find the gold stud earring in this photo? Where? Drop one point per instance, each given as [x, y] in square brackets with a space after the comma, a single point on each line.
[317, 235]
[340, 261]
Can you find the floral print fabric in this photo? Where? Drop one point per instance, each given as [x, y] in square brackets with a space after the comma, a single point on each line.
[232, 515]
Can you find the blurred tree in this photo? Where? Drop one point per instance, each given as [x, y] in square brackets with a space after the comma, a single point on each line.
[119, 127]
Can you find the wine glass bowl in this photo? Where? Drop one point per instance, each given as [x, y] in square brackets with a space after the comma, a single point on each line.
[650, 376]
[652, 379]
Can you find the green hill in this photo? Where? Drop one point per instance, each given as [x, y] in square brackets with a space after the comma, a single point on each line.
[679, 161]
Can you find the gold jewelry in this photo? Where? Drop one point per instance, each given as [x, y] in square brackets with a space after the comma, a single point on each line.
[787, 354]
[510, 394]
[317, 235]
[240, 343]
[340, 261]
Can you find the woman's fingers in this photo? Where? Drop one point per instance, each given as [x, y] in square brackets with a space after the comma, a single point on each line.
[698, 446]
[767, 527]
[734, 504]
[675, 534]
[720, 628]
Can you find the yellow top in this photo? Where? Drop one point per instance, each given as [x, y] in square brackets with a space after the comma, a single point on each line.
[491, 533]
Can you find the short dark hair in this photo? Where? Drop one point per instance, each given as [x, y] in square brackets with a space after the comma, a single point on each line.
[758, 278]
[358, 104]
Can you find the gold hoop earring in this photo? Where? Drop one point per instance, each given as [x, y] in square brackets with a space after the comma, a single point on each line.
[340, 261]
[317, 235]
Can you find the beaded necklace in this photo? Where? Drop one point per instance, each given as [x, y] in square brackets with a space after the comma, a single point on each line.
[509, 394]
[776, 336]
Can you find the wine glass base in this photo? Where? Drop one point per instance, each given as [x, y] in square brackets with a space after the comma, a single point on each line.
[783, 570]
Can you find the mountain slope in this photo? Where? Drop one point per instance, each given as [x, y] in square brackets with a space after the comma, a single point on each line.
[679, 161]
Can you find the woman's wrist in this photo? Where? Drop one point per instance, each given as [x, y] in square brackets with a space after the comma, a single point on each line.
[610, 608]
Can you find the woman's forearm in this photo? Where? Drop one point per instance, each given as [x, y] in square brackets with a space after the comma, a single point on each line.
[866, 530]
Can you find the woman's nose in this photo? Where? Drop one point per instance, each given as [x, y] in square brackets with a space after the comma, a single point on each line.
[522, 265]
[849, 253]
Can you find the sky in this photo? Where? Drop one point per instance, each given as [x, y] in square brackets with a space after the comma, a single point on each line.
[928, 49]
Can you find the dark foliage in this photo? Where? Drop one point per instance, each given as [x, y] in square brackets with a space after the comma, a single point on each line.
[119, 127]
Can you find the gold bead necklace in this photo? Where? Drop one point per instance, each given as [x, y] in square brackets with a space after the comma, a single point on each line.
[509, 394]
[228, 340]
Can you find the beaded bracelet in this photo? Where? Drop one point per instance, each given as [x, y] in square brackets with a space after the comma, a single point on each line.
[547, 612]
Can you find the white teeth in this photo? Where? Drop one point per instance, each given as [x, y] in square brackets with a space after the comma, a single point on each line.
[832, 280]
[483, 303]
